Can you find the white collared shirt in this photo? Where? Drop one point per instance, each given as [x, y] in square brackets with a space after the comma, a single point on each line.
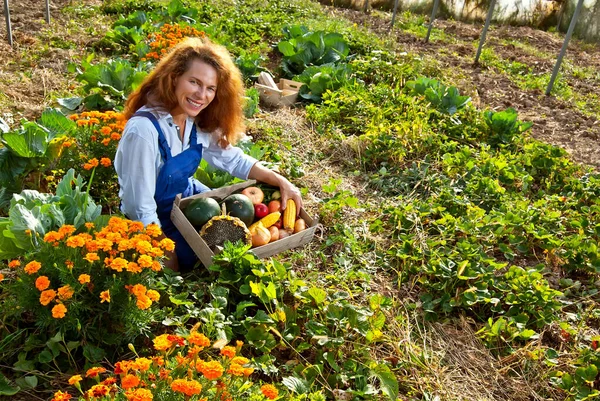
[138, 161]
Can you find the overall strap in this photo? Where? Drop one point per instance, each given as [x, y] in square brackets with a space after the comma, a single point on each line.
[165, 150]
[193, 140]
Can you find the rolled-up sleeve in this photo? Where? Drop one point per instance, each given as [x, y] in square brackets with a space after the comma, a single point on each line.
[231, 159]
[135, 163]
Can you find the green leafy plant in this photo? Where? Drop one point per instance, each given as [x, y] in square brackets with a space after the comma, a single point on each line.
[504, 128]
[444, 98]
[302, 49]
[318, 80]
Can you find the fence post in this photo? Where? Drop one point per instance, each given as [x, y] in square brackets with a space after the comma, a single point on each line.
[394, 14]
[48, 11]
[8, 27]
[485, 29]
[433, 12]
[563, 50]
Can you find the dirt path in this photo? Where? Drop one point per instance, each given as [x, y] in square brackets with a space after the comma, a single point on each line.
[555, 121]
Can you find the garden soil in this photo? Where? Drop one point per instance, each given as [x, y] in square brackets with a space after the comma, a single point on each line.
[555, 121]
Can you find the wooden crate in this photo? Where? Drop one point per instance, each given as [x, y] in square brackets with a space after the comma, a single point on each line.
[205, 254]
[285, 96]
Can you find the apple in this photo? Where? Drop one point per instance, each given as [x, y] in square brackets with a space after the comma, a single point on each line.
[255, 194]
[260, 210]
[274, 206]
[278, 223]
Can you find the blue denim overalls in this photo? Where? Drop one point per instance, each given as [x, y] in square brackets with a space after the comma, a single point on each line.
[174, 178]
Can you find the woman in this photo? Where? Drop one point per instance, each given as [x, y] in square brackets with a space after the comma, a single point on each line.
[188, 108]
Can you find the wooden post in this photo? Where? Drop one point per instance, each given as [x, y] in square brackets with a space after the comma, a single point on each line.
[48, 11]
[563, 50]
[433, 12]
[8, 27]
[394, 14]
[485, 29]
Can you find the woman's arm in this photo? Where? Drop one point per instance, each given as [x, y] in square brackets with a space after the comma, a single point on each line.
[288, 190]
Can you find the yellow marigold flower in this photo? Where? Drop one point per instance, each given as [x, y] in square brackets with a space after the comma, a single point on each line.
[32, 267]
[66, 230]
[143, 302]
[139, 394]
[98, 391]
[153, 295]
[125, 245]
[133, 267]
[167, 244]
[74, 380]
[145, 261]
[91, 257]
[143, 247]
[212, 370]
[129, 381]
[228, 351]
[187, 387]
[236, 370]
[105, 296]
[156, 252]
[60, 396]
[105, 244]
[59, 311]
[105, 161]
[269, 391]
[162, 343]
[42, 282]
[83, 278]
[198, 339]
[142, 364]
[75, 241]
[118, 264]
[47, 296]
[65, 292]
[240, 360]
[95, 371]
[13, 264]
[248, 371]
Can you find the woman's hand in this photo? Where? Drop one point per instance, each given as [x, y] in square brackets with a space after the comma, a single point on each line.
[289, 191]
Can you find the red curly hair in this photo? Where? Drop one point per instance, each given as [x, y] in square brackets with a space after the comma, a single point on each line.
[224, 115]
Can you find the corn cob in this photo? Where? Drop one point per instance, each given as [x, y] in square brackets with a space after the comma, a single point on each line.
[289, 215]
[266, 221]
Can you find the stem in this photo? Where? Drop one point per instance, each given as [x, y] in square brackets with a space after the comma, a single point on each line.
[87, 193]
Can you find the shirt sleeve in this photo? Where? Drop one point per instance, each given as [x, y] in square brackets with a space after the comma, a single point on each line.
[231, 159]
[135, 163]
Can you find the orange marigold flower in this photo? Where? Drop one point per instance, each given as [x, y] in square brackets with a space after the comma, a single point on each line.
[130, 381]
[212, 370]
[1, 277]
[248, 371]
[91, 257]
[122, 367]
[66, 230]
[109, 381]
[59, 311]
[105, 161]
[153, 230]
[187, 387]
[162, 343]
[269, 391]
[52, 236]
[60, 396]
[94, 121]
[98, 391]
[145, 261]
[105, 141]
[175, 339]
[153, 295]
[65, 292]
[143, 247]
[75, 242]
[42, 283]
[82, 123]
[74, 380]
[69, 264]
[89, 225]
[138, 290]
[32, 267]
[115, 136]
[47, 296]
[73, 117]
[139, 394]
[95, 371]
[105, 296]
[143, 302]
[198, 339]
[83, 278]
[240, 360]
[228, 351]
[118, 264]
[133, 267]
[13, 264]
[105, 130]
[235, 370]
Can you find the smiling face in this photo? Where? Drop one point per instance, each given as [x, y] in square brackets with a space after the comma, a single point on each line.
[195, 89]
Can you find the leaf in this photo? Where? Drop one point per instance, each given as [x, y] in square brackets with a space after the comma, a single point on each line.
[45, 356]
[317, 294]
[27, 382]
[387, 380]
[296, 385]
[30, 141]
[56, 123]
[6, 388]
[92, 353]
